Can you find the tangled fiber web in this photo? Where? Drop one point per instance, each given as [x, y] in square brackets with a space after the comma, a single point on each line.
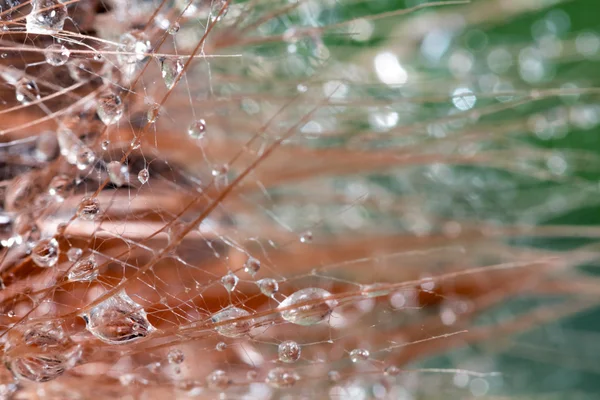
[268, 199]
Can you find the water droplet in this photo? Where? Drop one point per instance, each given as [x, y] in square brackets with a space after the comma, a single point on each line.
[221, 346]
[136, 143]
[105, 144]
[306, 237]
[219, 10]
[170, 69]
[281, 378]
[218, 380]
[143, 176]
[46, 16]
[235, 328]
[251, 266]
[60, 187]
[153, 112]
[57, 55]
[220, 173]
[153, 367]
[230, 281]
[308, 314]
[268, 286]
[175, 356]
[358, 355]
[45, 253]
[74, 254]
[45, 366]
[26, 91]
[334, 376]
[46, 147]
[84, 270]
[391, 370]
[89, 209]
[289, 351]
[197, 129]
[85, 158]
[44, 335]
[117, 173]
[118, 320]
[133, 47]
[110, 108]
[69, 144]
[174, 28]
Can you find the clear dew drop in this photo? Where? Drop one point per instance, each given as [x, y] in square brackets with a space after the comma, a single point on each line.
[110, 108]
[143, 176]
[57, 55]
[306, 237]
[46, 366]
[84, 270]
[46, 148]
[27, 91]
[117, 173]
[136, 143]
[309, 314]
[46, 16]
[89, 209]
[60, 187]
[219, 10]
[251, 266]
[281, 378]
[268, 286]
[230, 281]
[152, 114]
[334, 376]
[221, 346]
[358, 355]
[235, 328]
[218, 380]
[174, 28]
[175, 356]
[118, 320]
[391, 370]
[45, 253]
[105, 144]
[74, 254]
[197, 129]
[85, 158]
[170, 69]
[133, 47]
[289, 351]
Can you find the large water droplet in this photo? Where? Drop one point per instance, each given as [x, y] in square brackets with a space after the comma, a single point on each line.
[89, 209]
[230, 281]
[46, 16]
[85, 158]
[308, 314]
[268, 286]
[57, 55]
[197, 129]
[218, 380]
[26, 91]
[110, 108]
[45, 253]
[235, 328]
[44, 367]
[358, 355]
[289, 351]
[118, 320]
[143, 176]
[74, 254]
[252, 266]
[281, 378]
[170, 68]
[84, 270]
[117, 173]
[175, 356]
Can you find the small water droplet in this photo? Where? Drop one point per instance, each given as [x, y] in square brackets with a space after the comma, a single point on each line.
[318, 309]
[306, 237]
[136, 143]
[334, 376]
[118, 320]
[110, 108]
[230, 281]
[27, 91]
[154, 367]
[46, 16]
[85, 158]
[251, 266]
[74, 254]
[175, 356]
[45, 253]
[105, 144]
[153, 112]
[143, 176]
[60, 187]
[281, 378]
[89, 209]
[117, 173]
[289, 351]
[391, 370]
[57, 55]
[170, 69]
[174, 28]
[133, 47]
[221, 346]
[235, 328]
[358, 355]
[218, 380]
[197, 129]
[84, 270]
[268, 286]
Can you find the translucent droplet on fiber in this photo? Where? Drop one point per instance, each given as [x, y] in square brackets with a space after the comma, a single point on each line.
[197, 129]
[218, 380]
[153, 112]
[268, 286]
[174, 28]
[281, 378]
[57, 55]
[316, 311]
[110, 108]
[27, 91]
[45, 253]
[84, 270]
[46, 16]
[175, 356]
[358, 355]
[89, 209]
[134, 47]
[252, 266]
[44, 367]
[60, 186]
[143, 176]
[85, 158]
[289, 351]
[230, 281]
[235, 328]
[170, 68]
[118, 320]
[69, 144]
[117, 173]
[74, 254]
